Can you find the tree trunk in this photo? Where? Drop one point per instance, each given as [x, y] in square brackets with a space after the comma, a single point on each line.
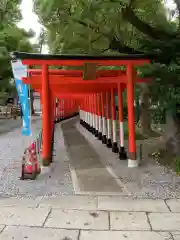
[16, 99]
[172, 133]
[145, 119]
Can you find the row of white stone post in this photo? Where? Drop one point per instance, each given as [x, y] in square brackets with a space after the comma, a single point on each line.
[104, 126]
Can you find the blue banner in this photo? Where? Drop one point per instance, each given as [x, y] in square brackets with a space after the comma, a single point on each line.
[20, 71]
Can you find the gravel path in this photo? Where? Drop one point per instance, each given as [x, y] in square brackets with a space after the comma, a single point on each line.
[149, 180]
[55, 180]
[9, 125]
[12, 146]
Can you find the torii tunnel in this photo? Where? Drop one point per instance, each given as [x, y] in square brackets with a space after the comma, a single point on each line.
[90, 91]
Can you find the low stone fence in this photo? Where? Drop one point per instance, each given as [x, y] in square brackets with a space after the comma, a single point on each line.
[9, 111]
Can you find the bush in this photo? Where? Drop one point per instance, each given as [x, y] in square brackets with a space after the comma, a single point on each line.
[177, 165]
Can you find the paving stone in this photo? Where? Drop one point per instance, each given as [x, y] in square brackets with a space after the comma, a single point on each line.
[174, 204]
[21, 233]
[19, 201]
[91, 174]
[176, 235]
[120, 235]
[129, 221]
[74, 219]
[71, 202]
[142, 205]
[165, 221]
[22, 216]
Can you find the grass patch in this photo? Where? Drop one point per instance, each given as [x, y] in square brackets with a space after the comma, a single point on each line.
[177, 165]
[165, 158]
[138, 135]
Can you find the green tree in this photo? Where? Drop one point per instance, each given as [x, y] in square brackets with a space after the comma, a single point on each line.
[129, 26]
[76, 25]
[12, 38]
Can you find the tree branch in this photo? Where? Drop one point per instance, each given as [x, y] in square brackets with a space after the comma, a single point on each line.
[144, 27]
[96, 39]
[116, 45]
[96, 29]
[105, 50]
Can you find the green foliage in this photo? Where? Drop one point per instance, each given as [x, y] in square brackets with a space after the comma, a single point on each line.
[177, 165]
[119, 26]
[12, 38]
[138, 134]
[96, 26]
[9, 12]
[158, 115]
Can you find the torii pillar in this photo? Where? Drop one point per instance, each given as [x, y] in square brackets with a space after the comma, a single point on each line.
[46, 118]
[132, 161]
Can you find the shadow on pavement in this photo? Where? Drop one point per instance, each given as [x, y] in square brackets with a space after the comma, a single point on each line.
[9, 125]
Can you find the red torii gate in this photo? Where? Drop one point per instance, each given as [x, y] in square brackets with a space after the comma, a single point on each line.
[91, 94]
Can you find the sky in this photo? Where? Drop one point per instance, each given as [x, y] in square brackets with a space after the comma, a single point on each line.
[30, 19]
[170, 3]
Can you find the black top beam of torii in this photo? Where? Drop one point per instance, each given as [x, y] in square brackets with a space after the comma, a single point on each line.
[38, 56]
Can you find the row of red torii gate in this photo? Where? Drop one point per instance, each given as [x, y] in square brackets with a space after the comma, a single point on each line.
[90, 92]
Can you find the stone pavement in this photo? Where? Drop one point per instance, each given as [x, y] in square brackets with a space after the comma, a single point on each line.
[72, 217]
[89, 175]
